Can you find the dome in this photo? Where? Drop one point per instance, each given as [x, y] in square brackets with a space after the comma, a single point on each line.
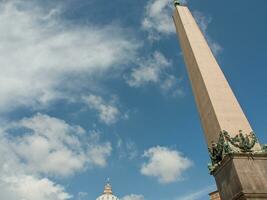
[107, 194]
[107, 197]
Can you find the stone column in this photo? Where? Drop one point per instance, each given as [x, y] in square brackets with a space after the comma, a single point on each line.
[227, 130]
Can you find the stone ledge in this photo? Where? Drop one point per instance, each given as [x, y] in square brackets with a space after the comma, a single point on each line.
[242, 176]
[250, 196]
[228, 158]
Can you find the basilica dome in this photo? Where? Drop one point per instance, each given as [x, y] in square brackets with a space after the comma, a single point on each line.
[107, 194]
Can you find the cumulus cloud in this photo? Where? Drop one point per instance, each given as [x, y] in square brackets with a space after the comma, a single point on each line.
[31, 188]
[165, 164]
[149, 71]
[43, 146]
[41, 54]
[203, 21]
[154, 70]
[49, 143]
[157, 22]
[133, 197]
[107, 112]
[157, 19]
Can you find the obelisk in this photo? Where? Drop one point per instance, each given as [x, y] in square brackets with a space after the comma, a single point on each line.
[239, 162]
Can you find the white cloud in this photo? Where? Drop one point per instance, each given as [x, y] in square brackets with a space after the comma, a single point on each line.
[157, 19]
[203, 21]
[197, 195]
[108, 113]
[169, 82]
[41, 54]
[82, 195]
[30, 188]
[154, 70]
[127, 149]
[165, 164]
[149, 71]
[42, 146]
[133, 197]
[131, 150]
[45, 144]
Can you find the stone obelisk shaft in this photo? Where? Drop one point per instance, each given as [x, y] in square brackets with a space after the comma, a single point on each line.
[240, 174]
[218, 107]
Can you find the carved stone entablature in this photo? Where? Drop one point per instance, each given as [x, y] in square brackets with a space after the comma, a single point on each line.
[227, 145]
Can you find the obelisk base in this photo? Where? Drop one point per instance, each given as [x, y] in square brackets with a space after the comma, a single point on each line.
[242, 177]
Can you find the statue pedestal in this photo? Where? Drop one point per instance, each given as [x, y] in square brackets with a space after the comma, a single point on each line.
[242, 177]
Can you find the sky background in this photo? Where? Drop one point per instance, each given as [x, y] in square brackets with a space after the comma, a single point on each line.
[94, 89]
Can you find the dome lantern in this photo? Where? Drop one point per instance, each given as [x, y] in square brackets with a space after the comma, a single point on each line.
[107, 194]
[107, 189]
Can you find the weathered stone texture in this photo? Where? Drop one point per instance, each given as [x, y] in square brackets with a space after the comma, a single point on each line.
[217, 105]
[215, 196]
[242, 177]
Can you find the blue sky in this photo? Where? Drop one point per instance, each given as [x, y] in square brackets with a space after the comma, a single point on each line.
[96, 89]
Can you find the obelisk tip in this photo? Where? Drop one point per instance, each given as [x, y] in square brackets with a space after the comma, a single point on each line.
[176, 3]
